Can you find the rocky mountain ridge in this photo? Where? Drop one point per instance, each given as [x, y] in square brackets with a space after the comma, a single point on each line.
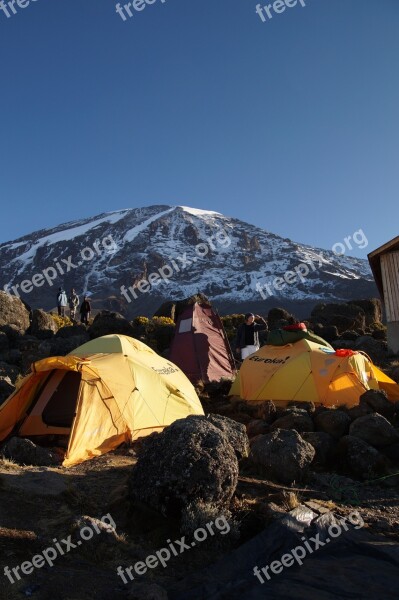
[134, 259]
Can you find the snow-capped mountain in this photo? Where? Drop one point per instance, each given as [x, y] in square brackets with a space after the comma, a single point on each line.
[134, 259]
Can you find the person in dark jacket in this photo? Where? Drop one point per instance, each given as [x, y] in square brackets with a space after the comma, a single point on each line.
[247, 341]
[85, 310]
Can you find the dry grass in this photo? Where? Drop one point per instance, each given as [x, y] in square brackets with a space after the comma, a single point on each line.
[290, 500]
[8, 463]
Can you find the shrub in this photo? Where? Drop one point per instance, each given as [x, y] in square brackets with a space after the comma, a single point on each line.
[141, 321]
[157, 332]
[376, 326]
[162, 321]
[61, 321]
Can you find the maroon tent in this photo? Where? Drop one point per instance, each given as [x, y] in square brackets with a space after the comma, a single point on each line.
[200, 346]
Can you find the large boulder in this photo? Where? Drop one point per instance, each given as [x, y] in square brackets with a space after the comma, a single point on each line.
[360, 410]
[4, 343]
[294, 418]
[323, 443]
[25, 452]
[73, 331]
[13, 314]
[43, 325]
[377, 350]
[266, 411]
[374, 429]
[7, 370]
[350, 335]
[361, 459]
[392, 452]
[257, 427]
[107, 322]
[372, 309]
[342, 316]
[27, 343]
[190, 462]
[235, 433]
[377, 400]
[12, 357]
[329, 333]
[283, 455]
[334, 422]
[34, 355]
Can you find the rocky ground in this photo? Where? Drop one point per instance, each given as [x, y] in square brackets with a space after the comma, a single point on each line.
[40, 504]
[248, 464]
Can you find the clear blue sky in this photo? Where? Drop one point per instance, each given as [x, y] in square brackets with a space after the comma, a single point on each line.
[291, 124]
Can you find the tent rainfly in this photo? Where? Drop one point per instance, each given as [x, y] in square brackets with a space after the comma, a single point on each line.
[111, 390]
[308, 372]
[200, 346]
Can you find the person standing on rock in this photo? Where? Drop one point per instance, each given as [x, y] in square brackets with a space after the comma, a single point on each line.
[62, 302]
[85, 310]
[73, 304]
[247, 341]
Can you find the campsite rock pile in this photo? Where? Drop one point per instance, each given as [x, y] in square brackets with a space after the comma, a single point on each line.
[356, 325]
[362, 441]
[192, 463]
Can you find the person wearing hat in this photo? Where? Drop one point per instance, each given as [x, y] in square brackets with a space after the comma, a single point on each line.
[247, 341]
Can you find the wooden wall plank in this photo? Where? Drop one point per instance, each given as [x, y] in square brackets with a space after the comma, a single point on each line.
[390, 280]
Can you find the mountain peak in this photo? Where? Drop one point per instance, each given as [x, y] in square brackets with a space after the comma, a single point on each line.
[230, 261]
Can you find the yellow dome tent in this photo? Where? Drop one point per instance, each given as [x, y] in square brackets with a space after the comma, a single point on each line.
[306, 371]
[108, 391]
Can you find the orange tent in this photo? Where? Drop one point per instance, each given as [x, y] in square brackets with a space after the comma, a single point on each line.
[308, 372]
[110, 390]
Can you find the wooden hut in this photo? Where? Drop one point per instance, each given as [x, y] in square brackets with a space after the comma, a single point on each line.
[384, 262]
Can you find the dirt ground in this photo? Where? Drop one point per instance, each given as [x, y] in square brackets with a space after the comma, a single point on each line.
[40, 505]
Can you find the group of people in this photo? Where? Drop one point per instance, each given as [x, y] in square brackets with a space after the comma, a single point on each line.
[63, 301]
[247, 341]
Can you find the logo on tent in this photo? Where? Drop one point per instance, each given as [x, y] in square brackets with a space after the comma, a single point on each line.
[165, 370]
[270, 361]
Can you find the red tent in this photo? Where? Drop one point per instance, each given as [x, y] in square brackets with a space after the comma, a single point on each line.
[200, 346]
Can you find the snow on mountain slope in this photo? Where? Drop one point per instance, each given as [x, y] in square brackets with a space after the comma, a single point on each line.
[224, 258]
